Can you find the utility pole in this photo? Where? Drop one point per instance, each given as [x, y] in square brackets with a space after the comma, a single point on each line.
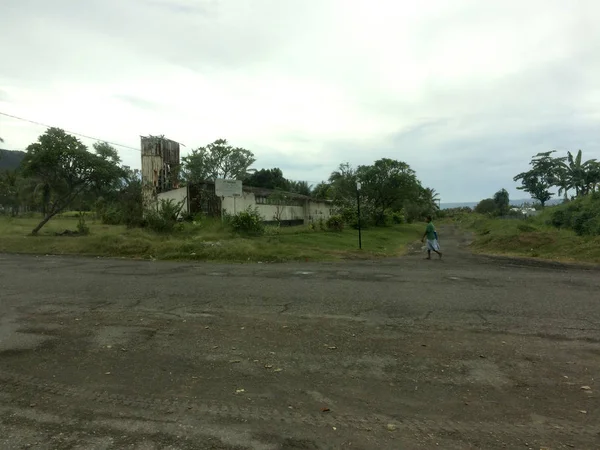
[358, 186]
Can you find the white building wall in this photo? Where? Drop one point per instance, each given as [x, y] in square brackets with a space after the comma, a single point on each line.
[312, 212]
[319, 210]
[234, 205]
[178, 195]
[270, 212]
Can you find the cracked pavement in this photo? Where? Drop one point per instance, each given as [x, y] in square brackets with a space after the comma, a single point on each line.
[468, 352]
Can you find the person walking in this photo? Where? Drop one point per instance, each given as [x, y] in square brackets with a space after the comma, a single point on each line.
[432, 240]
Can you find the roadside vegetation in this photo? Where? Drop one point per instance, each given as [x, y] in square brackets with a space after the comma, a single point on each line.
[569, 231]
[202, 240]
[61, 198]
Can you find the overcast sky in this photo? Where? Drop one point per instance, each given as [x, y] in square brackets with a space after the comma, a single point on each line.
[463, 91]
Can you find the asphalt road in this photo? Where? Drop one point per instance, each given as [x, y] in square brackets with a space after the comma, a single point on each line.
[465, 353]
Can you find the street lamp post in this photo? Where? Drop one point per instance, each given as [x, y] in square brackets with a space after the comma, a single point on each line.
[358, 186]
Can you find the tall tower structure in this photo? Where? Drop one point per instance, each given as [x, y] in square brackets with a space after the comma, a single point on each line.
[160, 167]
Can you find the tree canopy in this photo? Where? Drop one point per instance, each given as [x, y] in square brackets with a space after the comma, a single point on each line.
[63, 169]
[217, 160]
[566, 173]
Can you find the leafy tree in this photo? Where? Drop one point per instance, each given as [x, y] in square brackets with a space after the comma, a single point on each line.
[107, 152]
[387, 184]
[299, 187]
[267, 179]
[486, 206]
[343, 184]
[322, 191]
[544, 173]
[64, 169]
[9, 190]
[502, 201]
[217, 160]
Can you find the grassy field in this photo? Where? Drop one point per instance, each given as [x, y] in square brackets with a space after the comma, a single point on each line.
[207, 241]
[532, 238]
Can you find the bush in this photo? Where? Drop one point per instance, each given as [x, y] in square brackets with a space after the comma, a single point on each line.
[397, 217]
[413, 212]
[486, 206]
[164, 219]
[335, 223]
[322, 226]
[126, 210]
[248, 222]
[581, 215]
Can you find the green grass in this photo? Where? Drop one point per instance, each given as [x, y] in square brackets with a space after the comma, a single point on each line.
[533, 238]
[206, 241]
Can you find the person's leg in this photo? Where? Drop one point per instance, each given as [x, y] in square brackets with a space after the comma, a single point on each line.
[428, 254]
[436, 248]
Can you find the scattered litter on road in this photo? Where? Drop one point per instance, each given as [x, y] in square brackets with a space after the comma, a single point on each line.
[392, 427]
[583, 412]
[107, 373]
[240, 391]
[586, 388]
[268, 366]
[333, 347]
[278, 370]
[325, 409]
[235, 361]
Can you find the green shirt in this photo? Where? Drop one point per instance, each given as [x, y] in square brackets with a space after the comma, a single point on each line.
[430, 230]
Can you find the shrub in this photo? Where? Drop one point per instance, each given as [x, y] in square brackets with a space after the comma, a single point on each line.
[413, 212]
[82, 227]
[398, 217]
[581, 215]
[486, 206]
[247, 222]
[335, 223]
[164, 218]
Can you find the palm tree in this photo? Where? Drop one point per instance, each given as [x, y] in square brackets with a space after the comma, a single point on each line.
[431, 199]
[579, 175]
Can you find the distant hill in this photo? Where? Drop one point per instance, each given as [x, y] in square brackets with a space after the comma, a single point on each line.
[10, 159]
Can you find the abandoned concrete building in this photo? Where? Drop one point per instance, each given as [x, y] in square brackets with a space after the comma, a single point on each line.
[160, 178]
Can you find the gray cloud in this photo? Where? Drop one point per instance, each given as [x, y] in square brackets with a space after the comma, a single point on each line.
[465, 92]
[139, 102]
